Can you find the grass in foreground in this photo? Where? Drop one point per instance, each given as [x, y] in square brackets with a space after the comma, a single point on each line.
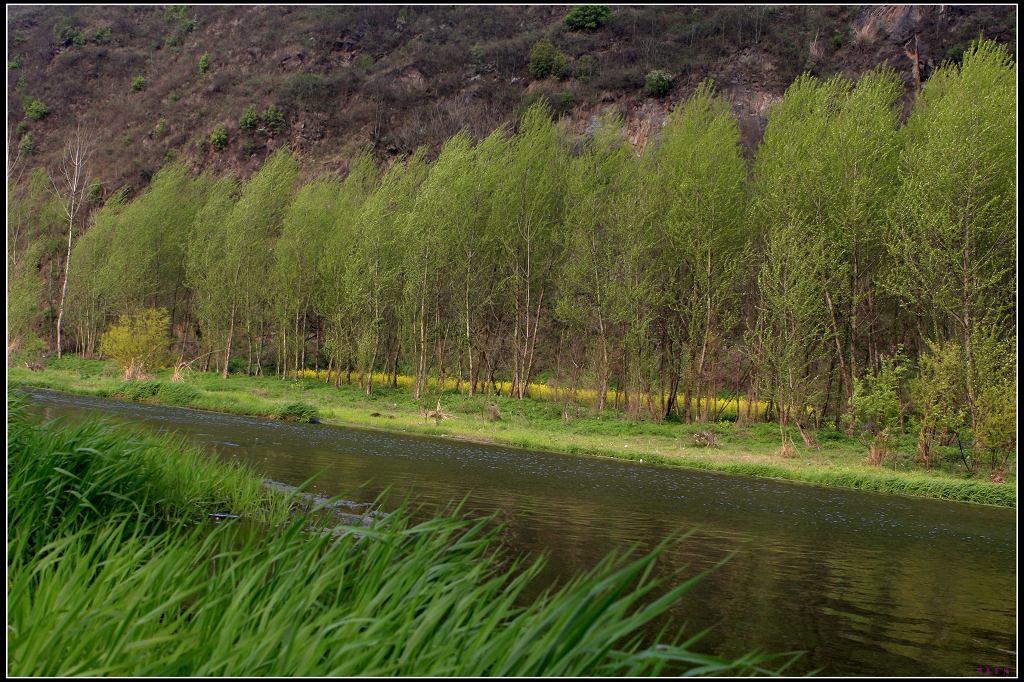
[113, 569]
[541, 425]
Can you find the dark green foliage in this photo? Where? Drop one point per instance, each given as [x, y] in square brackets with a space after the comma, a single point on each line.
[586, 67]
[364, 62]
[219, 137]
[546, 61]
[102, 36]
[180, 23]
[138, 83]
[95, 193]
[298, 412]
[273, 119]
[588, 17]
[658, 83]
[249, 119]
[27, 145]
[160, 128]
[14, 63]
[35, 109]
[66, 33]
[309, 91]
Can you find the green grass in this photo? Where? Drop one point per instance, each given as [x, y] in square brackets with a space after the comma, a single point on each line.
[113, 569]
[750, 449]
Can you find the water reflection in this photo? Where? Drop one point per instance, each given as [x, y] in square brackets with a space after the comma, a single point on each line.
[866, 584]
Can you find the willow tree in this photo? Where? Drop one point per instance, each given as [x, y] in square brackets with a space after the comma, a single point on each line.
[525, 212]
[94, 290]
[478, 254]
[208, 274]
[828, 164]
[601, 207]
[787, 339]
[337, 267]
[147, 258]
[432, 255]
[298, 283]
[246, 250]
[953, 238]
[378, 259]
[702, 174]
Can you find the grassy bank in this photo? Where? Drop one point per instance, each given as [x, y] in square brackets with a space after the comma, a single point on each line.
[538, 424]
[115, 569]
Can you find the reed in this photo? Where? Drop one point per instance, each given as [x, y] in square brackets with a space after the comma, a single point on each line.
[111, 564]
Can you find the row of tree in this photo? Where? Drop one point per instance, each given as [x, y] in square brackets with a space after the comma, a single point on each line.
[681, 272]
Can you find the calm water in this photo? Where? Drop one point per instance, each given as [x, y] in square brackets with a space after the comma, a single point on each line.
[865, 584]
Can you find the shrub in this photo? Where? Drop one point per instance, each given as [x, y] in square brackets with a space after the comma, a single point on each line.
[27, 146]
[14, 63]
[298, 412]
[95, 193]
[65, 33]
[219, 137]
[138, 83]
[877, 403]
[102, 36]
[204, 63]
[35, 109]
[547, 61]
[659, 83]
[939, 394]
[307, 90]
[160, 128]
[273, 119]
[249, 119]
[588, 17]
[586, 67]
[363, 62]
[139, 342]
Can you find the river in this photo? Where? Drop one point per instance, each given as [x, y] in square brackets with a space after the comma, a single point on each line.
[865, 584]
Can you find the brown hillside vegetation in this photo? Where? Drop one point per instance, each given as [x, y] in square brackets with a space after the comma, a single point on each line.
[395, 78]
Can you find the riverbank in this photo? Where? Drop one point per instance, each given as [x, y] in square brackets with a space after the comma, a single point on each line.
[541, 425]
[114, 561]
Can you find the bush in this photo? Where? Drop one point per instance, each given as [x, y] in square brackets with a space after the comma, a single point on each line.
[138, 83]
[14, 63]
[95, 193]
[586, 67]
[139, 342]
[27, 146]
[273, 119]
[160, 128]
[546, 61]
[588, 17]
[249, 119]
[298, 412]
[878, 405]
[35, 109]
[219, 137]
[204, 63]
[363, 62]
[659, 83]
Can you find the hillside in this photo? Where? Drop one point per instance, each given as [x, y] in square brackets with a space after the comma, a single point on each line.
[394, 78]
